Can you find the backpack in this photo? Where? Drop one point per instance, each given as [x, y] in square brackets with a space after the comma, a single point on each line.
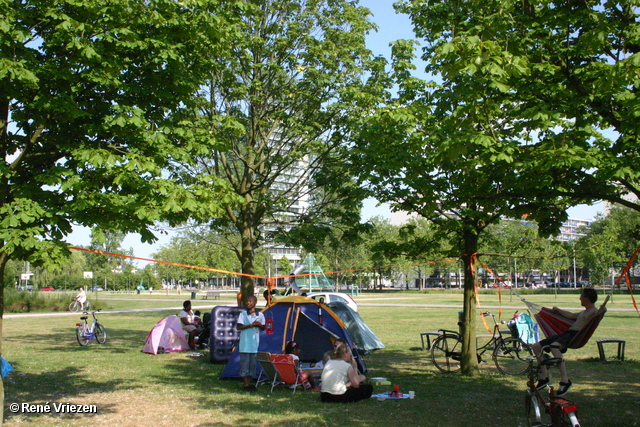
[527, 329]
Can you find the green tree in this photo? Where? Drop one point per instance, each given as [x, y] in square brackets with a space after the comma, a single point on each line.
[67, 275]
[569, 75]
[279, 103]
[284, 266]
[88, 92]
[516, 245]
[609, 243]
[338, 249]
[107, 268]
[11, 273]
[199, 247]
[413, 242]
[451, 151]
[543, 77]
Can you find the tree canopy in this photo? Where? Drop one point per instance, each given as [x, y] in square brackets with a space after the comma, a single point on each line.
[88, 95]
[277, 102]
[516, 123]
[609, 243]
[502, 130]
[567, 75]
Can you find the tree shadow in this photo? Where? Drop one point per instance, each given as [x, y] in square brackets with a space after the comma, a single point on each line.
[60, 386]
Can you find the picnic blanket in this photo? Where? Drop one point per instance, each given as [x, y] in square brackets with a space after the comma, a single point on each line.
[387, 395]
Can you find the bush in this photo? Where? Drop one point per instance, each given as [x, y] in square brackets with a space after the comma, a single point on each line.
[25, 302]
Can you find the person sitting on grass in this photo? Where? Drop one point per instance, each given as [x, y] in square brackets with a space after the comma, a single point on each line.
[188, 323]
[293, 349]
[327, 355]
[558, 343]
[341, 381]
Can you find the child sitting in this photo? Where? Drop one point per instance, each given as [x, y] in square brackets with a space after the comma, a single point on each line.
[293, 349]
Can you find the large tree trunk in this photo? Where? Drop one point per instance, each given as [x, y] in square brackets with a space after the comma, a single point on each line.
[247, 283]
[469, 360]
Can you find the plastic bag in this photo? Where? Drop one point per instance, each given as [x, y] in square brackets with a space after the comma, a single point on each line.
[6, 367]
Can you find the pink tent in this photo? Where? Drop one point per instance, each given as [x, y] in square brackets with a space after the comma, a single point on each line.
[166, 337]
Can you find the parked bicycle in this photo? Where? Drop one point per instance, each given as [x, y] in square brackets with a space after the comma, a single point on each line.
[510, 354]
[559, 411]
[86, 332]
[75, 306]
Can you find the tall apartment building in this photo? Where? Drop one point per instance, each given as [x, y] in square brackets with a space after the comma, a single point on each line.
[292, 184]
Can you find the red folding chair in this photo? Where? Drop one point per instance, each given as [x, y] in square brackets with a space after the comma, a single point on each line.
[288, 372]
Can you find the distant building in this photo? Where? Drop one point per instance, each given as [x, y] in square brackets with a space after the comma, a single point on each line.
[573, 229]
[291, 184]
[400, 217]
[608, 205]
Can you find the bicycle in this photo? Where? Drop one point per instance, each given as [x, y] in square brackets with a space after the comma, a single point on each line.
[510, 354]
[560, 411]
[75, 306]
[85, 333]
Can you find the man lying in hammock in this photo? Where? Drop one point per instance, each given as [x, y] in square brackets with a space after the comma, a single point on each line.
[558, 343]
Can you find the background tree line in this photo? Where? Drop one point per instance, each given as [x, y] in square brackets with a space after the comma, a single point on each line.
[404, 255]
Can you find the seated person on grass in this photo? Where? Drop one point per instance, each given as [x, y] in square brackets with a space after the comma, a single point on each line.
[341, 381]
[188, 323]
[327, 356]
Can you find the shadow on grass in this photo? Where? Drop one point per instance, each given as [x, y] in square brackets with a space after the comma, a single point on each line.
[60, 386]
[119, 340]
[193, 382]
[453, 393]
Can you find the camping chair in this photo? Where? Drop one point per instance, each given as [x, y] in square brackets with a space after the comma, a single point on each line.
[288, 372]
[269, 375]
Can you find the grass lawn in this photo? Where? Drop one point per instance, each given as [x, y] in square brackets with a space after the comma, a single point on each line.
[129, 387]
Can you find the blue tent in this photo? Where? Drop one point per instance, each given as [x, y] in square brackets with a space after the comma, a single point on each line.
[312, 325]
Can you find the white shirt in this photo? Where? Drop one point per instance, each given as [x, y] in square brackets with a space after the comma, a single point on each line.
[250, 337]
[81, 297]
[188, 315]
[335, 376]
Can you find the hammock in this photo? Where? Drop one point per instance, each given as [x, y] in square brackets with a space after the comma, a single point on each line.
[552, 323]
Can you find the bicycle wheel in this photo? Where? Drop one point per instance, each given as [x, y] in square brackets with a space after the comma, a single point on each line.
[74, 306]
[511, 356]
[80, 335]
[87, 305]
[533, 410]
[100, 334]
[445, 353]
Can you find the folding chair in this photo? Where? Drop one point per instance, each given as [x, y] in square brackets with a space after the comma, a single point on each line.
[288, 372]
[269, 375]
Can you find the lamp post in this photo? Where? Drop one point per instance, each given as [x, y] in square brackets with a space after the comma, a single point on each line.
[575, 279]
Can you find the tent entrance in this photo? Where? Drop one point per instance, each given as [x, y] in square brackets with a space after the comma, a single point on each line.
[313, 339]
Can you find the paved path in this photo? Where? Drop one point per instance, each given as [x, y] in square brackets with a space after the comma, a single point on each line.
[199, 305]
